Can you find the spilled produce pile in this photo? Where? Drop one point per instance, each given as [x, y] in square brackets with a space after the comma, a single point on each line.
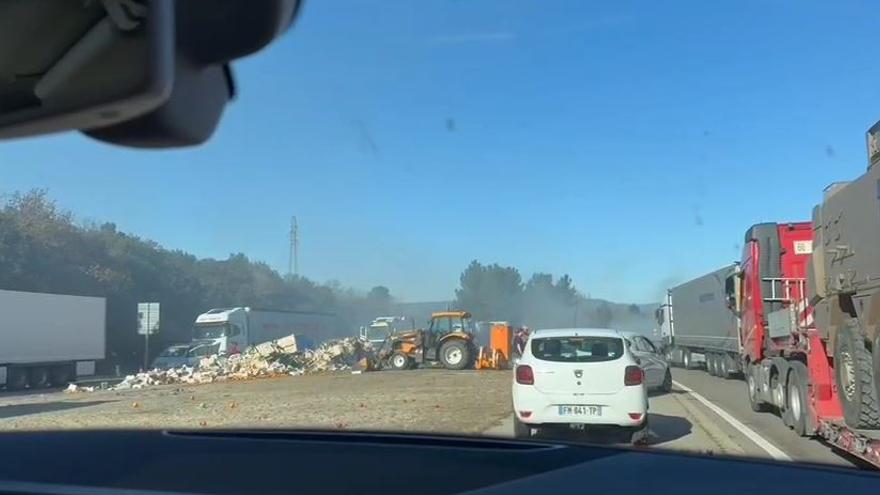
[278, 357]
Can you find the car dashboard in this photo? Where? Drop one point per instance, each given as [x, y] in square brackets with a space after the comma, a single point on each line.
[273, 462]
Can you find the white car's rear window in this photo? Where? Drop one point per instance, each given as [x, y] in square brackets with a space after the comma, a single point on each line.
[577, 349]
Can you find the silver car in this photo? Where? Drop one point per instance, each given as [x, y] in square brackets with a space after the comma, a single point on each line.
[175, 356]
[657, 373]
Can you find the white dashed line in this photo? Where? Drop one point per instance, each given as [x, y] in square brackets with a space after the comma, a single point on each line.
[774, 451]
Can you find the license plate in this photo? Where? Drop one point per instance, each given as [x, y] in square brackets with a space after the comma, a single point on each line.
[580, 410]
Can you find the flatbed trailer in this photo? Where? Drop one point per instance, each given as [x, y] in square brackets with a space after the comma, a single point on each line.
[785, 357]
[862, 444]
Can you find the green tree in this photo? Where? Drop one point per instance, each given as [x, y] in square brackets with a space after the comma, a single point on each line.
[490, 292]
[379, 300]
[547, 303]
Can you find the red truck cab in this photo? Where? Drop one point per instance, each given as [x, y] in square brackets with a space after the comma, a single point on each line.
[773, 273]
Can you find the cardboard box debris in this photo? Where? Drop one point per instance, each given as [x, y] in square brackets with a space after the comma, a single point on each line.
[75, 389]
[277, 357]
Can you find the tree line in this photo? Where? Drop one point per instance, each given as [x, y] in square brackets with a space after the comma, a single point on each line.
[43, 249]
[493, 293]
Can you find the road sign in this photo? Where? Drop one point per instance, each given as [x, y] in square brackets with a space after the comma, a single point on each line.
[148, 318]
[148, 323]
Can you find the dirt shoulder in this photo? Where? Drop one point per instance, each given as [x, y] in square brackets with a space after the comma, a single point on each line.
[424, 400]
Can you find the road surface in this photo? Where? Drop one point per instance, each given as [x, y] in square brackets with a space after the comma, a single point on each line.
[703, 414]
[681, 420]
[730, 395]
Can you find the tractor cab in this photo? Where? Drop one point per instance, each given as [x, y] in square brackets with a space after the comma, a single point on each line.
[446, 323]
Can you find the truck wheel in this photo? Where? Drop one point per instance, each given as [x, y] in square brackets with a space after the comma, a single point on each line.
[796, 399]
[711, 365]
[60, 376]
[723, 369]
[16, 378]
[852, 370]
[752, 381]
[455, 354]
[399, 361]
[38, 377]
[687, 360]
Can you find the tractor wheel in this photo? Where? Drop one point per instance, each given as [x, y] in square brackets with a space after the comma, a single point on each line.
[456, 354]
[852, 369]
[399, 361]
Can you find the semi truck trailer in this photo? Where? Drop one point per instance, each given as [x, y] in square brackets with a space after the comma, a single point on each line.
[700, 327]
[225, 330]
[49, 339]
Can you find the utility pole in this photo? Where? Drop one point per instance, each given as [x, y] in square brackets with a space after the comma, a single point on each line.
[293, 260]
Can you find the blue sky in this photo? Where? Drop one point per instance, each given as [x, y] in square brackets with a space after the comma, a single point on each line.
[627, 144]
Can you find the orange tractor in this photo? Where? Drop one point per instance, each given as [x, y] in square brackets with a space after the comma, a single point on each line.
[449, 341]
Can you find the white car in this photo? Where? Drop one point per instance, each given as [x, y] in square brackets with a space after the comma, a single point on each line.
[581, 376]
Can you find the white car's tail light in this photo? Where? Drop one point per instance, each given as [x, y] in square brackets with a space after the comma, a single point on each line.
[633, 376]
[635, 416]
[525, 414]
[525, 375]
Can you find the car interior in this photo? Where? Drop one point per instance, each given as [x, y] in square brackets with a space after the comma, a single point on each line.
[166, 83]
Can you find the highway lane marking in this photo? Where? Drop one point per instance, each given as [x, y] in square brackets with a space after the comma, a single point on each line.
[774, 451]
[702, 420]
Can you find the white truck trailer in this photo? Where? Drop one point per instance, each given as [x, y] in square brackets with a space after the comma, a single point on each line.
[225, 330]
[49, 339]
[699, 326]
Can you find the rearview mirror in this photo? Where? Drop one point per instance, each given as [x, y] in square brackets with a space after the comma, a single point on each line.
[80, 65]
[148, 73]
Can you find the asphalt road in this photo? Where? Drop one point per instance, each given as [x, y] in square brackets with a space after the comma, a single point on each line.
[680, 421]
[730, 395]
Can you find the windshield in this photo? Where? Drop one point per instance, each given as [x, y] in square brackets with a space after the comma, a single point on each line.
[210, 331]
[577, 349]
[694, 174]
[174, 352]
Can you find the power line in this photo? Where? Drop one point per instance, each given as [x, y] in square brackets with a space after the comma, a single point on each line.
[293, 260]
